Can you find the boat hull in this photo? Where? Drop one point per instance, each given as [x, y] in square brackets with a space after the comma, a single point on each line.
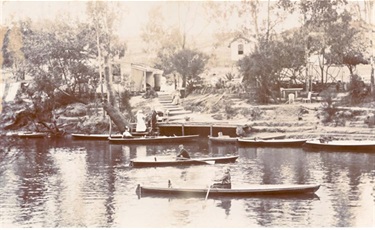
[153, 139]
[223, 139]
[94, 136]
[256, 190]
[272, 143]
[346, 146]
[32, 135]
[227, 139]
[189, 162]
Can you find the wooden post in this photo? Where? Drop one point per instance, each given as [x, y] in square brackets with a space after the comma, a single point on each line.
[211, 131]
[183, 130]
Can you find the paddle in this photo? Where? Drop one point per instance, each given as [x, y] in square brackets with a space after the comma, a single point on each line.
[201, 161]
[208, 191]
[205, 200]
[206, 162]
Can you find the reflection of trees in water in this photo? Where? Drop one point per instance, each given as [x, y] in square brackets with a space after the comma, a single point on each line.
[270, 212]
[344, 172]
[31, 162]
[222, 150]
[276, 165]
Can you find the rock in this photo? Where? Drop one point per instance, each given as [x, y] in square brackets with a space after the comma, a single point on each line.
[75, 110]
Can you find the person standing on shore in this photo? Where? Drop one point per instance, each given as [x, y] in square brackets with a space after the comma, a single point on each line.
[154, 120]
[141, 125]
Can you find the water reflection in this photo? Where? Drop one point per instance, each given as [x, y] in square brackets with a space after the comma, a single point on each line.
[225, 204]
[66, 183]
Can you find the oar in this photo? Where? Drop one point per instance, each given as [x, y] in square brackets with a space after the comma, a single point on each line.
[204, 162]
[205, 200]
[208, 191]
[207, 162]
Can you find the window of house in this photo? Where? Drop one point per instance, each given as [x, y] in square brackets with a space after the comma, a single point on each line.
[240, 49]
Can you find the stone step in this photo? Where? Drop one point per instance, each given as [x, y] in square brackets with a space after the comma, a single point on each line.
[173, 113]
[282, 123]
[175, 108]
[171, 106]
[165, 102]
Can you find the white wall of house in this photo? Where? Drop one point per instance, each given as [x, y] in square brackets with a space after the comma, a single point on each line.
[141, 75]
[240, 48]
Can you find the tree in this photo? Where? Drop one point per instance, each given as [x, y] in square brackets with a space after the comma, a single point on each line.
[173, 42]
[12, 51]
[3, 31]
[329, 34]
[103, 16]
[249, 17]
[346, 44]
[190, 64]
[259, 69]
[58, 55]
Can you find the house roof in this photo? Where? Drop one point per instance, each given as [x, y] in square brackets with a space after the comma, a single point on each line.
[251, 39]
[145, 68]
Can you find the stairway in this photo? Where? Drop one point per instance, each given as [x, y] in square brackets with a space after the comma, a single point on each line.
[175, 113]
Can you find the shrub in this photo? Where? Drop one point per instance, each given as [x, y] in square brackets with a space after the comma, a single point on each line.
[254, 113]
[229, 110]
[329, 109]
[357, 89]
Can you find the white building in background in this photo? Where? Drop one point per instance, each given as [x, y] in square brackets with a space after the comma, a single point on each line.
[143, 77]
[241, 46]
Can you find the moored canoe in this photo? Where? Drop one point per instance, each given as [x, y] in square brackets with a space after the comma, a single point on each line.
[153, 139]
[272, 143]
[94, 136]
[32, 135]
[341, 145]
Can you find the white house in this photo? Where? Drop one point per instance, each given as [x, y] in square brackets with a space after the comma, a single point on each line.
[241, 46]
[143, 76]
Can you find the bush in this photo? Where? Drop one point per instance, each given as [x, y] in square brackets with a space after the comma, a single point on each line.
[329, 110]
[357, 89]
[254, 113]
[230, 111]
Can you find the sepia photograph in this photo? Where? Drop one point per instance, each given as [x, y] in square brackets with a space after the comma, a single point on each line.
[187, 114]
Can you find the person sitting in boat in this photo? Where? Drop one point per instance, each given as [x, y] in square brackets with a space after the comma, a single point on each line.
[183, 154]
[126, 133]
[225, 181]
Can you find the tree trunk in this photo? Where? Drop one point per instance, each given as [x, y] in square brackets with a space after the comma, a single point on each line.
[116, 116]
[108, 79]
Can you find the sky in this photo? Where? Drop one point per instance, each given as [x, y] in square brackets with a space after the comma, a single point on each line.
[134, 17]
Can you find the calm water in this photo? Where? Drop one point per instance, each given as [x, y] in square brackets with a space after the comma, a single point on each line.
[70, 183]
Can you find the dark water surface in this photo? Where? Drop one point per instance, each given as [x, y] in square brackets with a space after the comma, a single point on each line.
[71, 183]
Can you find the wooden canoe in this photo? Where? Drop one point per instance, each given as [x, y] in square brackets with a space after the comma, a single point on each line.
[341, 145]
[32, 135]
[223, 139]
[227, 139]
[252, 190]
[272, 143]
[162, 161]
[153, 139]
[94, 136]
